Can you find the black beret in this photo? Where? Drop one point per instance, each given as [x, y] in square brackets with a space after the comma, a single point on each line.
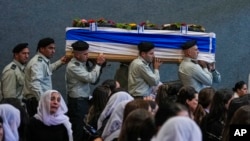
[45, 42]
[19, 47]
[80, 46]
[189, 44]
[145, 46]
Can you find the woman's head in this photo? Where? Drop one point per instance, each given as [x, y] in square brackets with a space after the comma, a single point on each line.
[52, 103]
[168, 111]
[11, 121]
[133, 105]
[240, 88]
[167, 93]
[220, 102]
[100, 96]
[139, 125]
[112, 84]
[189, 97]
[241, 116]
[205, 97]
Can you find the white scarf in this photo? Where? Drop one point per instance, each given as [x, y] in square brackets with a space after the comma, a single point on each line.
[43, 113]
[11, 122]
[114, 100]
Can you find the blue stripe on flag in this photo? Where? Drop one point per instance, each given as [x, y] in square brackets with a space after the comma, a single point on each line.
[160, 40]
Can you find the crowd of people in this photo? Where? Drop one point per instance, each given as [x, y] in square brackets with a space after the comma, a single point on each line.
[138, 107]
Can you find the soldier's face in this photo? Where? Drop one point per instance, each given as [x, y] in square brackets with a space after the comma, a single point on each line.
[82, 56]
[193, 52]
[148, 56]
[23, 56]
[48, 51]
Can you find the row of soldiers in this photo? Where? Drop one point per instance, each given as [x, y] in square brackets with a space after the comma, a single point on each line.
[23, 80]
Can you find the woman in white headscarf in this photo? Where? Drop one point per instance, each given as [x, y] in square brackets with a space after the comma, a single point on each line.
[11, 122]
[113, 101]
[50, 122]
[179, 128]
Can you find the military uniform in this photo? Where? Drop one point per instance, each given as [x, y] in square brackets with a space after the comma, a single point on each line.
[12, 80]
[78, 79]
[141, 78]
[38, 80]
[191, 74]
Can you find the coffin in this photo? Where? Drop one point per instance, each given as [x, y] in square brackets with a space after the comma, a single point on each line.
[121, 44]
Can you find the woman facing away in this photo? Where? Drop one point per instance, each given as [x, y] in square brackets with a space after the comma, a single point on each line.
[179, 128]
[213, 123]
[240, 117]
[50, 122]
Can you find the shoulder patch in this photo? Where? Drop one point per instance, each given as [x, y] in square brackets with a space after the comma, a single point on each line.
[40, 59]
[13, 66]
[77, 63]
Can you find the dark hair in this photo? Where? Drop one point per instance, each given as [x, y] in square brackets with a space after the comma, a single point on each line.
[205, 96]
[167, 93]
[238, 85]
[138, 126]
[45, 42]
[99, 101]
[135, 104]
[240, 117]
[186, 93]
[111, 83]
[218, 110]
[167, 111]
[19, 47]
[145, 46]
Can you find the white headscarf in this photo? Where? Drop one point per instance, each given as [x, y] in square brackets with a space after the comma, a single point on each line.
[112, 103]
[179, 128]
[11, 122]
[43, 113]
[113, 126]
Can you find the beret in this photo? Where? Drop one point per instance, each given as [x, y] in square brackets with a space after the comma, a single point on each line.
[80, 46]
[19, 47]
[189, 44]
[145, 46]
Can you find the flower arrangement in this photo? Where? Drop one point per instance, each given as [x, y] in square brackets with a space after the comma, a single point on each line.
[176, 26]
[101, 22]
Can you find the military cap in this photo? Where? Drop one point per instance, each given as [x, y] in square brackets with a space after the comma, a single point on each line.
[189, 44]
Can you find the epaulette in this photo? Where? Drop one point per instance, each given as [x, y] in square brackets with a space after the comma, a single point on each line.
[77, 63]
[13, 66]
[40, 59]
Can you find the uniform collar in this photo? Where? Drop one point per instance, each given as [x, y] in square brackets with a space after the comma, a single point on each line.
[75, 60]
[143, 60]
[20, 66]
[44, 57]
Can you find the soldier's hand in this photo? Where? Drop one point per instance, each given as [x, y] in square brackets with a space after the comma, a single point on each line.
[65, 60]
[202, 63]
[100, 59]
[157, 63]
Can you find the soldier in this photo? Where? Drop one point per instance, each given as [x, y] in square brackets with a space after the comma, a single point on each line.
[38, 73]
[78, 78]
[12, 80]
